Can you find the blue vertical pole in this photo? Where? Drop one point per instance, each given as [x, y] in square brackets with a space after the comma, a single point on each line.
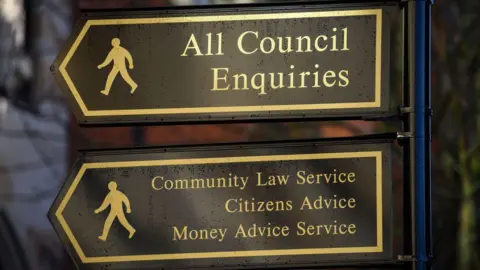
[418, 98]
[420, 142]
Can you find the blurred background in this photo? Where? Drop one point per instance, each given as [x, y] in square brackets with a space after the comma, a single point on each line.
[39, 136]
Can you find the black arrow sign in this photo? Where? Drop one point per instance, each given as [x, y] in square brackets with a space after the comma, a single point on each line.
[270, 204]
[228, 64]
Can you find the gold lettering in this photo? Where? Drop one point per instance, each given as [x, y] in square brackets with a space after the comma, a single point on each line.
[327, 203]
[343, 78]
[329, 74]
[315, 74]
[344, 205]
[241, 205]
[262, 231]
[289, 205]
[153, 182]
[241, 231]
[199, 234]
[303, 79]
[289, 45]
[301, 180]
[209, 44]
[220, 41]
[317, 46]
[272, 45]
[272, 79]
[260, 86]
[351, 177]
[300, 44]
[324, 229]
[345, 39]
[306, 202]
[290, 75]
[203, 234]
[334, 41]
[179, 236]
[181, 184]
[237, 76]
[259, 180]
[352, 229]
[352, 203]
[227, 203]
[240, 42]
[270, 206]
[168, 185]
[216, 78]
[198, 183]
[283, 45]
[301, 227]
[192, 40]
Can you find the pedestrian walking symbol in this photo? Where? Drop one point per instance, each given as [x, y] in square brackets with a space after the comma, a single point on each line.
[118, 55]
[115, 199]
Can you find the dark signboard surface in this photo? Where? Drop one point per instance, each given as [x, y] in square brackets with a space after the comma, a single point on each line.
[227, 64]
[289, 204]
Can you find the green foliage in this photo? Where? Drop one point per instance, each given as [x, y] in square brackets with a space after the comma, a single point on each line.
[455, 97]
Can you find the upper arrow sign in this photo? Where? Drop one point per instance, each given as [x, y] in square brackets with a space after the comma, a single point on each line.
[225, 64]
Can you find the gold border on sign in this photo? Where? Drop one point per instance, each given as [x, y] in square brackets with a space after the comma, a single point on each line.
[226, 254]
[229, 109]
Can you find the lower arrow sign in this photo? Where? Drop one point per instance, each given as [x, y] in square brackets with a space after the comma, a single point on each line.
[269, 205]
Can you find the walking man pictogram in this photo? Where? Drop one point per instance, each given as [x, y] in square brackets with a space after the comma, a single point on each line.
[118, 55]
[115, 199]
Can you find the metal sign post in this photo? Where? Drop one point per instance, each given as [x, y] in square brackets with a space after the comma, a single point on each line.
[167, 66]
[417, 127]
